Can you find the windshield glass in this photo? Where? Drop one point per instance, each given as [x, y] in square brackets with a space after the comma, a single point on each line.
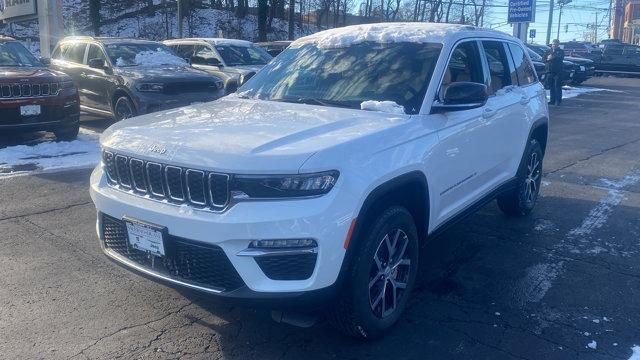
[243, 55]
[346, 77]
[143, 54]
[13, 53]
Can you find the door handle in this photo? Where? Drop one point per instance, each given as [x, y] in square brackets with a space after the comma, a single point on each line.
[488, 113]
[524, 100]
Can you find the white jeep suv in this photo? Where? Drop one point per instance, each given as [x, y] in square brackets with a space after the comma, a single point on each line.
[320, 178]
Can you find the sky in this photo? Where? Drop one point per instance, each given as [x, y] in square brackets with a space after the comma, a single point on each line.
[576, 14]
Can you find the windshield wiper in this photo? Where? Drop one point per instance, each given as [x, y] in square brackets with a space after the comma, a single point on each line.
[313, 101]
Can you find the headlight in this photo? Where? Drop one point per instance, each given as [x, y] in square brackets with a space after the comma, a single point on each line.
[282, 186]
[150, 87]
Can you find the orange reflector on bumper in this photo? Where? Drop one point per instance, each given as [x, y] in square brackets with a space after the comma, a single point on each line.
[351, 228]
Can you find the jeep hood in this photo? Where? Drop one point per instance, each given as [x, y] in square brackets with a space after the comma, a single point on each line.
[243, 136]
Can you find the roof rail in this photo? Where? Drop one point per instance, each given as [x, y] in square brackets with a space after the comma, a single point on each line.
[78, 37]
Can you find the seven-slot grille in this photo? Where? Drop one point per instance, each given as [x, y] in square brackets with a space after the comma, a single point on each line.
[28, 90]
[172, 183]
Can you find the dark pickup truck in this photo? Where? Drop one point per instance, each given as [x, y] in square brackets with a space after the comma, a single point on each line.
[619, 59]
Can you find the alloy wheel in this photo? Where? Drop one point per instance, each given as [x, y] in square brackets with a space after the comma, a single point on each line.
[123, 110]
[389, 273]
[532, 181]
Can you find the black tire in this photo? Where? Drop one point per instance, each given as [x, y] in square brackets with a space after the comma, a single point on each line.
[360, 311]
[123, 108]
[67, 134]
[521, 200]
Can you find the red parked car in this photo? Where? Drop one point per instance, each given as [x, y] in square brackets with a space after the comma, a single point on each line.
[34, 98]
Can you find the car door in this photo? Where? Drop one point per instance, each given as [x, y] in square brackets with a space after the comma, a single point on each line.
[632, 55]
[69, 60]
[613, 58]
[96, 82]
[460, 165]
[504, 113]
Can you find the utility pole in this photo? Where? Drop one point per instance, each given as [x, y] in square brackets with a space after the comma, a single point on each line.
[51, 25]
[561, 3]
[550, 22]
[595, 30]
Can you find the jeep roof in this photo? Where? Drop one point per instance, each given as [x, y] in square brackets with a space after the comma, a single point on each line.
[214, 41]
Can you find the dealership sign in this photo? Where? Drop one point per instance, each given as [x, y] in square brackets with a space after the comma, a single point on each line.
[522, 11]
[17, 9]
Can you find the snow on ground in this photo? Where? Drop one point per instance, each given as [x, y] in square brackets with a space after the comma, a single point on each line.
[593, 344]
[382, 106]
[51, 155]
[636, 353]
[571, 92]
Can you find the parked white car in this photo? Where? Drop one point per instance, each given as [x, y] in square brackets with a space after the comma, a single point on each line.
[318, 180]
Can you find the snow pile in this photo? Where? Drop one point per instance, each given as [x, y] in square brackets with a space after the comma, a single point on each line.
[592, 345]
[382, 106]
[380, 33]
[636, 353]
[571, 92]
[51, 155]
[153, 58]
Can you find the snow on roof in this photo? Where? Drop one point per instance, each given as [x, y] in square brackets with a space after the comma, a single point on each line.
[389, 33]
[153, 58]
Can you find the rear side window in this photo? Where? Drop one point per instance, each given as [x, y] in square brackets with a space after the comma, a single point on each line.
[524, 70]
[95, 53]
[613, 50]
[464, 65]
[75, 53]
[498, 65]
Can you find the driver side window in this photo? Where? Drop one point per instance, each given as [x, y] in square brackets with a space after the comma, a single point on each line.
[464, 65]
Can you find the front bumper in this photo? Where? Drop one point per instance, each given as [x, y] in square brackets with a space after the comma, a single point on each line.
[56, 113]
[322, 219]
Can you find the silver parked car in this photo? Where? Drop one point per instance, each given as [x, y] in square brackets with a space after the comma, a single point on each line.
[234, 61]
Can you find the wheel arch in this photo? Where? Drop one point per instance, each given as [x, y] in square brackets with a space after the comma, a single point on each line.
[540, 131]
[118, 92]
[409, 190]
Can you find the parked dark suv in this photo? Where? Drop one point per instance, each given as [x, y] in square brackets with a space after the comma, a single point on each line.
[33, 98]
[576, 69]
[122, 78]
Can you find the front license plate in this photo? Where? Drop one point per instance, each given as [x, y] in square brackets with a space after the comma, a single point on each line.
[30, 110]
[145, 237]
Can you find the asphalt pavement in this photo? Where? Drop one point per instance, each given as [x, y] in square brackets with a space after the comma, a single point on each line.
[562, 283]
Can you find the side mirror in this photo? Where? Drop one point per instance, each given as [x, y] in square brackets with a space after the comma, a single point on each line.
[97, 63]
[45, 61]
[461, 96]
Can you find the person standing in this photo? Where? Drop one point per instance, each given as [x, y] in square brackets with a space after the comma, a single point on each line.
[554, 58]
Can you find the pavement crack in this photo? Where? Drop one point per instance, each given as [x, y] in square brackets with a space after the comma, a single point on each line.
[601, 152]
[67, 207]
[125, 328]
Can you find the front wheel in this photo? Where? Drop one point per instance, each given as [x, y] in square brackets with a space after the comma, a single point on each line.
[521, 200]
[123, 108]
[381, 278]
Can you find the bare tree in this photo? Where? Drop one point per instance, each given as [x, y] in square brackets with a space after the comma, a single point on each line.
[94, 16]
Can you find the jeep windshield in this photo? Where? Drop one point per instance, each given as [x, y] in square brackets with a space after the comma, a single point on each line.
[142, 54]
[14, 54]
[243, 55]
[348, 76]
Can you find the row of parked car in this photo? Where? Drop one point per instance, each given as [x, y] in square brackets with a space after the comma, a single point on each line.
[121, 78]
[118, 78]
[609, 56]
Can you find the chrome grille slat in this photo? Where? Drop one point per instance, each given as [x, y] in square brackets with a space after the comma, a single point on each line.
[173, 178]
[154, 175]
[174, 184]
[196, 188]
[138, 181]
